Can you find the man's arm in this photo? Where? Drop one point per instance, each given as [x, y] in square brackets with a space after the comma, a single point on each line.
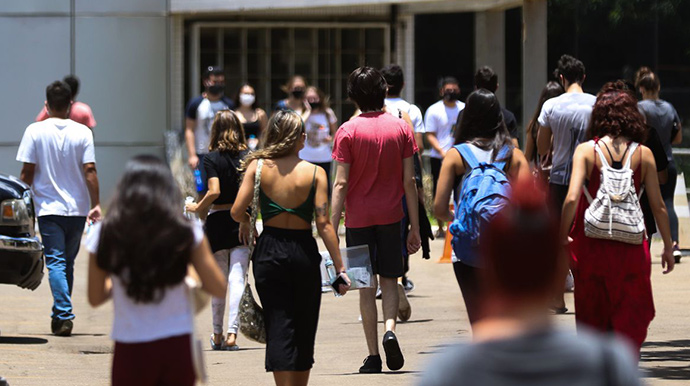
[433, 142]
[27, 173]
[342, 174]
[91, 176]
[544, 137]
[414, 240]
[193, 160]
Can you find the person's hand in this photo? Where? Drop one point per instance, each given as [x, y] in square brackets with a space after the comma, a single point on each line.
[193, 162]
[342, 288]
[245, 228]
[414, 241]
[191, 207]
[667, 260]
[95, 214]
[443, 153]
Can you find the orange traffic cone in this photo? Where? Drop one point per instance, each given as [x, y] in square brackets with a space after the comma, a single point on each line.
[447, 248]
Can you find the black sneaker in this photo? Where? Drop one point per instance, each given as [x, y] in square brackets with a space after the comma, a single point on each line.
[394, 357]
[63, 328]
[372, 364]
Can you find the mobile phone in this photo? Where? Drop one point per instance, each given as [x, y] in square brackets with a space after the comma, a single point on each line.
[337, 282]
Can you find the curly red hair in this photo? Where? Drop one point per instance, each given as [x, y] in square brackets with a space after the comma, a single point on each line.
[615, 114]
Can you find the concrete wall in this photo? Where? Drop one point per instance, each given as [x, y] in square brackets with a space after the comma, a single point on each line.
[119, 50]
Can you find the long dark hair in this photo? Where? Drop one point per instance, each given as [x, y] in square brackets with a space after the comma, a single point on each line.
[481, 124]
[145, 239]
[551, 90]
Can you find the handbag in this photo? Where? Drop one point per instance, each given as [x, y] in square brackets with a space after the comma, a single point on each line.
[251, 315]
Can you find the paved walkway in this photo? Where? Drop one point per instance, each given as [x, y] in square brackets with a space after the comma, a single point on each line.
[29, 355]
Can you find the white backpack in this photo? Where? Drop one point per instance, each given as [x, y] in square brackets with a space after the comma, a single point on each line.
[615, 213]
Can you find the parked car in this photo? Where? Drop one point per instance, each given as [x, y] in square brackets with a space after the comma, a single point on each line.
[21, 252]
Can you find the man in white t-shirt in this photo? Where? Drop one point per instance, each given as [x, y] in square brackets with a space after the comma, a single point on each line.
[393, 74]
[60, 165]
[439, 121]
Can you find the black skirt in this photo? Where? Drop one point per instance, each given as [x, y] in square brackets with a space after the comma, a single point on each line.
[222, 231]
[288, 281]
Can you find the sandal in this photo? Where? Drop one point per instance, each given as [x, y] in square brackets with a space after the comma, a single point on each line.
[234, 347]
[216, 346]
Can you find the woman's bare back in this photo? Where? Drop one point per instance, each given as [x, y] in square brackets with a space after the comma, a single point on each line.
[288, 182]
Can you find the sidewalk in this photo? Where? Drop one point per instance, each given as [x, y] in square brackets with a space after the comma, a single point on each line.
[29, 355]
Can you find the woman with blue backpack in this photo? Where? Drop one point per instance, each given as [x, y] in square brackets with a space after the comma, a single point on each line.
[478, 170]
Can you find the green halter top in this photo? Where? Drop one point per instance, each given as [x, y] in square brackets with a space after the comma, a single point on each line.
[305, 211]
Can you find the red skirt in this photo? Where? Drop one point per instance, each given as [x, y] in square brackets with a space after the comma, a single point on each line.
[613, 290]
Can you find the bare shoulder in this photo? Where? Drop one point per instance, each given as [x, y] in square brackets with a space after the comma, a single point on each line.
[647, 155]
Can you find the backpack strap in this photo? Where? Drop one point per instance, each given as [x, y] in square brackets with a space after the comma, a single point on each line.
[602, 157]
[502, 154]
[467, 155]
[632, 147]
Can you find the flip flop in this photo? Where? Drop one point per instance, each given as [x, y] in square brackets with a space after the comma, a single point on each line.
[234, 347]
[214, 346]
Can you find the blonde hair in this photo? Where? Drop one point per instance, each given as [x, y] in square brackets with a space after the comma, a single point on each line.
[227, 133]
[285, 128]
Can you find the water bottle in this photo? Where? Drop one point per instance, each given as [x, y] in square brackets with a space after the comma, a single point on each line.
[197, 179]
[252, 142]
[189, 215]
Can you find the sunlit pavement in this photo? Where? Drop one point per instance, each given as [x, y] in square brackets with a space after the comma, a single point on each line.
[29, 355]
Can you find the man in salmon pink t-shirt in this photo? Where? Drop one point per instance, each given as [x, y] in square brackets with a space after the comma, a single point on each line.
[78, 111]
[374, 170]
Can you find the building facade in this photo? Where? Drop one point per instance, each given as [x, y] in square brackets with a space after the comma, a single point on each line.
[140, 61]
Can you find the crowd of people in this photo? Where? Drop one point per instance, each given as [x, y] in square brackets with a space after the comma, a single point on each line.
[606, 160]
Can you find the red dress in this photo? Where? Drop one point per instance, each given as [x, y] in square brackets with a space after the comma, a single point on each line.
[613, 290]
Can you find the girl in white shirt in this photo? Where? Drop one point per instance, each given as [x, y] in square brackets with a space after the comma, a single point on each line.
[139, 255]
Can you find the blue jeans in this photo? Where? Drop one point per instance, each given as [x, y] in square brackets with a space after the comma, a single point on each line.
[61, 236]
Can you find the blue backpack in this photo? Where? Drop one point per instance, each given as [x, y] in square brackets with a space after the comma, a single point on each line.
[485, 191]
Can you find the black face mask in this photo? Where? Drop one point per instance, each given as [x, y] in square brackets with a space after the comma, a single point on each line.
[315, 105]
[297, 94]
[216, 89]
[451, 96]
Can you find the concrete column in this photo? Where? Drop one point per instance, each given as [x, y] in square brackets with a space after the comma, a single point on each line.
[176, 72]
[405, 54]
[490, 45]
[534, 55]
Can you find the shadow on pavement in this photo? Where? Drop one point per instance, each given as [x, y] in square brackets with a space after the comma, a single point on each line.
[22, 340]
[403, 372]
[667, 351]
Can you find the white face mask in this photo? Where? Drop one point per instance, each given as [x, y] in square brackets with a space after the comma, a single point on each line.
[247, 99]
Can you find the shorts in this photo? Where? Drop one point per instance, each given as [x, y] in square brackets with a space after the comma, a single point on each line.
[385, 248]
